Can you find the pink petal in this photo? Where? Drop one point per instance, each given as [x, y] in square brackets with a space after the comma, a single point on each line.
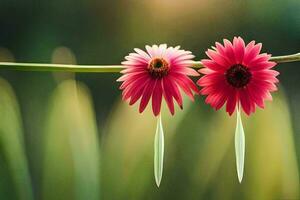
[221, 49]
[187, 81]
[157, 97]
[137, 93]
[137, 57]
[217, 93]
[231, 101]
[216, 100]
[219, 87]
[177, 54]
[134, 63]
[185, 71]
[186, 89]
[259, 90]
[262, 65]
[133, 70]
[132, 80]
[267, 75]
[150, 51]
[205, 70]
[252, 53]
[239, 49]
[245, 101]
[156, 51]
[210, 79]
[260, 58]
[211, 64]
[129, 90]
[183, 63]
[265, 85]
[215, 56]
[229, 52]
[142, 53]
[268, 96]
[220, 102]
[174, 90]
[133, 75]
[191, 84]
[147, 94]
[257, 98]
[184, 57]
[168, 95]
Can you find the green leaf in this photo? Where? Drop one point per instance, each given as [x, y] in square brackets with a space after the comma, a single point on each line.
[72, 157]
[12, 144]
[158, 152]
[239, 146]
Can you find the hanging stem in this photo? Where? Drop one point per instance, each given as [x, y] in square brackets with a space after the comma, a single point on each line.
[158, 151]
[105, 68]
[239, 143]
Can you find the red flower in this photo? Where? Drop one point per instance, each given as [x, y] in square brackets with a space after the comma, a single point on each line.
[157, 73]
[235, 74]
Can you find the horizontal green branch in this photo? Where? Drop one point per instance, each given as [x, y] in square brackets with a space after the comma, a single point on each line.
[105, 68]
[288, 58]
[44, 67]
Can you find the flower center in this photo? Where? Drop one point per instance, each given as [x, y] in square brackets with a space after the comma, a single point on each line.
[158, 67]
[238, 76]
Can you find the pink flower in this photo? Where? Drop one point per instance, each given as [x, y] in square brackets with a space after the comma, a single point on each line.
[235, 74]
[159, 72]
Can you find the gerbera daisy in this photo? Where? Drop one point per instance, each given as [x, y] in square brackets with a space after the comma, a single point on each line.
[237, 74]
[158, 72]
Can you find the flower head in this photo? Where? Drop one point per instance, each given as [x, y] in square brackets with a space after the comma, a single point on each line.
[237, 74]
[158, 72]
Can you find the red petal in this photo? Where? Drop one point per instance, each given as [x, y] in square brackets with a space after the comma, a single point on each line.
[175, 91]
[157, 97]
[231, 101]
[252, 53]
[168, 95]
[147, 94]
[245, 101]
[239, 49]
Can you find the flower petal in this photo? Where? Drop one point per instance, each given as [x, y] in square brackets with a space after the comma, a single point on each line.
[229, 52]
[219, 59]
[186, 89]
[157, 98]
[239, 49]
[245, 101]
[231, 101]
[263, 65]
[142, 53]
[211, 64]
[174, 90]
[168, 95]
[147, 94]
[252, 53]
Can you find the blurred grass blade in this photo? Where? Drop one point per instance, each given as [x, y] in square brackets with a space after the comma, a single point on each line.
[158, 151]
[239, 146]
[12, 145]
[71, 168]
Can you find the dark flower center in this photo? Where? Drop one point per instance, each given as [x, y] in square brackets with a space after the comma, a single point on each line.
[158, 67]
[238, 76]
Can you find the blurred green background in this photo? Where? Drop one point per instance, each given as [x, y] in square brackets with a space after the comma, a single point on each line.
[69, 136]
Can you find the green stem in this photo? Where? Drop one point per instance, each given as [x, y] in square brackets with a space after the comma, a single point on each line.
[60, 67]
[106, 68]
[288, 58]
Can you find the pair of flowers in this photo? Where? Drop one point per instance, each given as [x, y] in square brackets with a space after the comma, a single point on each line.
[235, 74]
